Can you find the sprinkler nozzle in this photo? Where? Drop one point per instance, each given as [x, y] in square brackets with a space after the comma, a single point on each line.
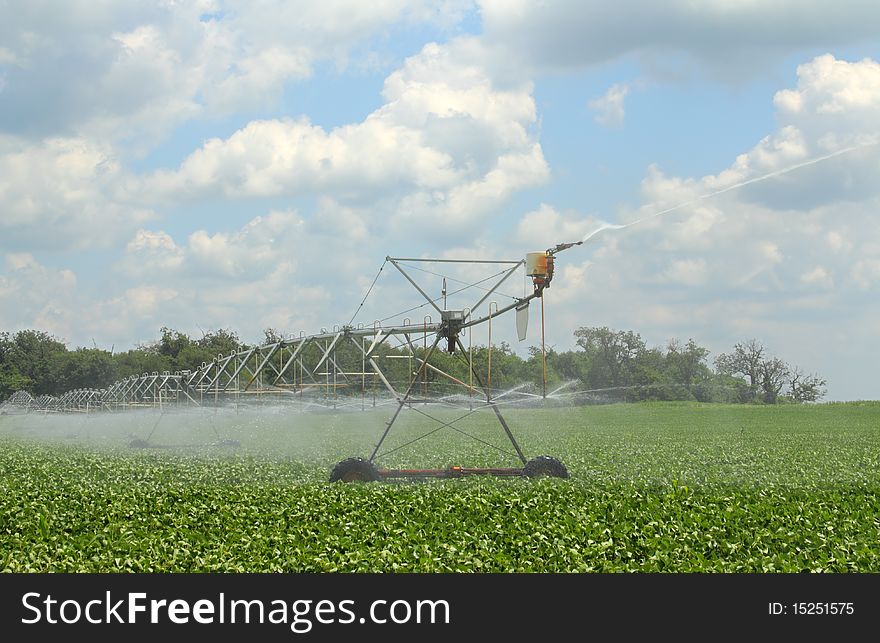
[562, 246]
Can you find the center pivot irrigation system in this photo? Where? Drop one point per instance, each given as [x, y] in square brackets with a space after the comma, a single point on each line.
[315, 369]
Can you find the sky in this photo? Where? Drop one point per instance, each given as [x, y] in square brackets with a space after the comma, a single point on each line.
[249, 165]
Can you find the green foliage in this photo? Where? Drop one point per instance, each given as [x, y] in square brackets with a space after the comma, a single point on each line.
[83, 368]
[180, 352]
[11, 381]
[613, 355]
[220, 342]
[655, 487]
[617, 365]
[171, 343]
[805, 387]
[140, 361]
[33, 355]
[686, 365]
[272, 336]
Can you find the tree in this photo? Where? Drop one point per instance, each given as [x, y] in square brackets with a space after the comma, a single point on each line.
[11, 381]
[612, 355]
[32, 353]
[649, 378]
[804, 387]
[726, 389]
[39, 363]
[83, 368]
[139, 361]
[221, 342]
[507, 368]
[272, 336]
[566, 366]
[773, 376]
[745, 360]
[184, 353]
[6, 345]
[686, 364]
[171, 343]
[767, 376]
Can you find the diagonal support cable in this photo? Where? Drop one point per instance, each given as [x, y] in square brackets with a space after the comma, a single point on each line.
[415, 285]
[402, 401]
[369, 290]
[464, 433]
[442, 426]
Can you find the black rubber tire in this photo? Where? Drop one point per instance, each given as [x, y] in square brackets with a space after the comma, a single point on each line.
[545, 466]
[354, 470]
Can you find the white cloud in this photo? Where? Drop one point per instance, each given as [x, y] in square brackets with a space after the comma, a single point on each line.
[338, 221]
[20, 260]
[286, 157]
[831, 86]
[838, 241]
[609, 108]
[771, 252]
[7, 57]
[258, 248]
[60, 193]
[836, 103]
[135, 72]
[146, 240]
[688, 272]
[247, 280]
[866, 273]
[447, 147]
[152, 252]
[146, 300]
[819, 277]
[35, 296]
[445, 150]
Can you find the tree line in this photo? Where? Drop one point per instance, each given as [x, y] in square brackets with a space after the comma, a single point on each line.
[40, 364]
[613, 364]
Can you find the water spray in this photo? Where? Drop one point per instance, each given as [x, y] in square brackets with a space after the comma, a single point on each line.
[604, 225]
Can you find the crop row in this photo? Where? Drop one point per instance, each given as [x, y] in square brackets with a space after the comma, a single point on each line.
[176, 518]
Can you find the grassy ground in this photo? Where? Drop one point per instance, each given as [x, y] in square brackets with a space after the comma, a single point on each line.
[654, 487]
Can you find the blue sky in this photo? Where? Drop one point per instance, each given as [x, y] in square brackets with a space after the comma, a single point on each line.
[250, 164]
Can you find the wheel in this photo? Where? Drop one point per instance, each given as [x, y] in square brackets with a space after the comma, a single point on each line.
[545, 465]
[354, 470]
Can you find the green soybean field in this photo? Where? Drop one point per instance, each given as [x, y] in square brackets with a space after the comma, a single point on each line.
[654, 487]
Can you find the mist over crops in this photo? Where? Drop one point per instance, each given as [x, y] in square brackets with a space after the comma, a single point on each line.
[654, 487]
